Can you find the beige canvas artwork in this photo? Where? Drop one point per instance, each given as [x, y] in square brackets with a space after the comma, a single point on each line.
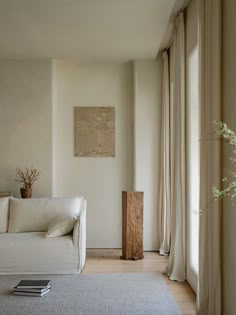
[95, 131]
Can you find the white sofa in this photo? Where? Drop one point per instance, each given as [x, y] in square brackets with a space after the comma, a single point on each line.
[24, 248]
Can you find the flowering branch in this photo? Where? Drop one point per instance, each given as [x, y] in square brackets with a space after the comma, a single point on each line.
[229, 182]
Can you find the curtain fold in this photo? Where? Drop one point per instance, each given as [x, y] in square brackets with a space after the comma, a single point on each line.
[209, 286]
[164, 205]
[176, 267]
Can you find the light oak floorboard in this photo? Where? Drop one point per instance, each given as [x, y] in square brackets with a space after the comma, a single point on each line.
[108, 261]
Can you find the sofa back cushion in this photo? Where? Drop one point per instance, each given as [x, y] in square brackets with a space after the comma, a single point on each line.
[34, 215]
[4, 212]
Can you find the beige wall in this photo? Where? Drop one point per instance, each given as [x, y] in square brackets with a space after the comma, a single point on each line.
[99, 180]
[229, 116]
[147, 127]
[37, 127]
[25, 123]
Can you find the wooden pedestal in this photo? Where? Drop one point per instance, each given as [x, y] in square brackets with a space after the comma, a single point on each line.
[132, 225]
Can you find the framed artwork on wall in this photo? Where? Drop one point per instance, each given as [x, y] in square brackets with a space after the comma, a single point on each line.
[94, 131]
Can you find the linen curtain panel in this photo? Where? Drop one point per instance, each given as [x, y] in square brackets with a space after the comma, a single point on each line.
[176, 268]
[209, 286]
[164, 206]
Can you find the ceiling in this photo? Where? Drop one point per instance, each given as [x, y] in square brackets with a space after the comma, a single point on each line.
[85, 30]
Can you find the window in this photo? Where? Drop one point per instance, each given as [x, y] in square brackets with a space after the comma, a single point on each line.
[193, 144]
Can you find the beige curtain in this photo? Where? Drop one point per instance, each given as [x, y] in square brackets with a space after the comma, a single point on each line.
[176, 268]
[164, 213]
[209, 287]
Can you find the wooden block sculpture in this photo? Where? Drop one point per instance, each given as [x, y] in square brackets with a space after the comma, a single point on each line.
[132, 225]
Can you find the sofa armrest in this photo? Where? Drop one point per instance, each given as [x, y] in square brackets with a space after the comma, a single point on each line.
[79, 236]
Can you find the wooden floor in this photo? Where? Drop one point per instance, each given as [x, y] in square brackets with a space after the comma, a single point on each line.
[108, 261]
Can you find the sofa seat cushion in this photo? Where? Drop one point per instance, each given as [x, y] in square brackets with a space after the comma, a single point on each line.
[34, 215]
[23, 253]
[4, 212]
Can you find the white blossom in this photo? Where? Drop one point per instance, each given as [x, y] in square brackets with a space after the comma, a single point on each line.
[229, 188]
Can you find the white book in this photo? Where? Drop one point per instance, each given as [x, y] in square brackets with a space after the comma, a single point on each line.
[31, 293]
[16, 289]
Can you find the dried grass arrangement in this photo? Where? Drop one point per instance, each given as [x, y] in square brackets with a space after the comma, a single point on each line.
[27, 177]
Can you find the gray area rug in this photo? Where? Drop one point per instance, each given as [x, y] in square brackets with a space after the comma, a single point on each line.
[92, 294]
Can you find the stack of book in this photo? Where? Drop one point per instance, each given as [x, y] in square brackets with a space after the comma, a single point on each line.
[32, 287]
